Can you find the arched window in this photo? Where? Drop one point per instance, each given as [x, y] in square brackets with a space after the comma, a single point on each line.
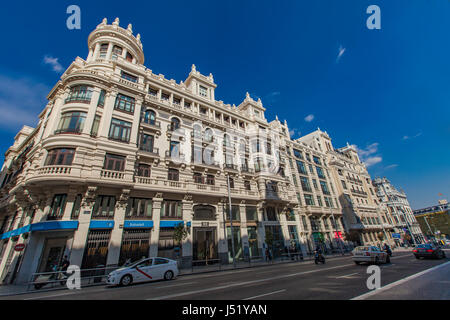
[204, 212]
[129, 57]
[226, 140]
[208, 135]
[174, 124]
[116, 52]
[150, 116]
[197, 132]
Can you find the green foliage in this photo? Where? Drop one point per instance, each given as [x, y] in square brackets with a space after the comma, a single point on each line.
[269, 237]
[180, 233]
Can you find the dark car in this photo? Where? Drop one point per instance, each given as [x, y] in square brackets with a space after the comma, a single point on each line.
[428, 251]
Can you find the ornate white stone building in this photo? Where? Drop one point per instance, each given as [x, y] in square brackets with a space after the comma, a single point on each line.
[121, 157]
[399, 210]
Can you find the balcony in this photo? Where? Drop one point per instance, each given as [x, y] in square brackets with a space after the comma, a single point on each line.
[204, 163]
[175, 156]
[115, 175]
[155, 125]
[86, 100]
[55, 170]
[246, 169]
[229, 166]
[149, 151]
[357, 192]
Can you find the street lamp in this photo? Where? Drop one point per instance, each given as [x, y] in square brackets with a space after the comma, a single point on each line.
[231, 220]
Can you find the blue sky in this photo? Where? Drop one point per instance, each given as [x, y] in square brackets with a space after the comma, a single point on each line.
[388, 92]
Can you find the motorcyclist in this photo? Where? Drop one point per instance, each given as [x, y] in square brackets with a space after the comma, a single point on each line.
[387, 249]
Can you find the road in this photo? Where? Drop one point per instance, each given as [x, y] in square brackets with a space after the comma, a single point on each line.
[339, 279]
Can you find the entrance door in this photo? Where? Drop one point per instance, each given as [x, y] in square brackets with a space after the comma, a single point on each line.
[205, 246]
[52, 254]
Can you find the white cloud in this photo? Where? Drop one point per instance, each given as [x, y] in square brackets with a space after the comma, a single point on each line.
[309, 118]
[53, 62]
[392, 166]
[341, 52]
[21, 101]
[369, 155]
[415, 136]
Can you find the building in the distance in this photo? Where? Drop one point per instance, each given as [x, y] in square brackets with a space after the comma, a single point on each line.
[435, 221]
[365, 220]
[407, 229]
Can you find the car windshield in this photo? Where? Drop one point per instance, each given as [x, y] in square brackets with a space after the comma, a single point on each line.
[362, 248]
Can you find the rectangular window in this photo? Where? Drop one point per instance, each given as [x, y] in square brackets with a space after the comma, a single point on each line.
[120, 130]
[309, 200]
[57, 208]
[129, 77]
[271, 215]
[80, 94]
[298, 154]
[124, 103]
[251, 213]
[138, 208]
[247, 185]
[305, 224]
[317, 160]
[71, 122]
[344, 185]
[301, 168]
[319, 201]
[104, 207]
[60, 157]
[203, 91]
[235, 213]
[320, 173]
[305, 184]
[76, 207]
[103, 50]
[315, 184]
[173, 175]
[328, 202]
[171, 209]
[147, 142]
[198, 178]
[143, 170]
[210, 180]
[114, 162]
[324, 187]
[95, 125]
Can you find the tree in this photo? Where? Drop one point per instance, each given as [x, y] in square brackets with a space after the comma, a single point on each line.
[180, 233]
[269, 238]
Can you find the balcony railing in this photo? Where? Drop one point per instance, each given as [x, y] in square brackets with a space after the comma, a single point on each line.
[178, 156]
[155, 124]
[230, 166]
[108, 174]
[57, 170]
[147, 149]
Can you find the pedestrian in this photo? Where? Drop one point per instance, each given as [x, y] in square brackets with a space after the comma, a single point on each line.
[267, 254]
[65, 264]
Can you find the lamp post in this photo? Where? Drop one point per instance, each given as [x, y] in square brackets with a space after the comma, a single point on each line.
[231, 221]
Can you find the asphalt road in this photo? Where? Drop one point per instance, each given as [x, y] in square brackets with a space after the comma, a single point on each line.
[339, 279]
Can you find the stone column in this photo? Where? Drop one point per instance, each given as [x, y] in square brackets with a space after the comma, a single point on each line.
[244, 233]
[261, 230]
[109, 52]
[53, 120]
[92, 110]
[154, 239]
[223, 243]
[136, 120]
[105, 122]
[187, 244]
[116, 234]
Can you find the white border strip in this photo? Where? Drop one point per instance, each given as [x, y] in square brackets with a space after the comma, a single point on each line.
[396, 283]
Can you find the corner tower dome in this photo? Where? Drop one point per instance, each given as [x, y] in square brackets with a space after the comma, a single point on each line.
[112, 42]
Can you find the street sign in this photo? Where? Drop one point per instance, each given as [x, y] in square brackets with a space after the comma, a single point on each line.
[396, 235]
[19, 247]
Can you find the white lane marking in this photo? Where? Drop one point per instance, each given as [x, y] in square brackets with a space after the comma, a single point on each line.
[174, 285]
[348, 275]
[265, 294]
[396, 283]
[245, 283]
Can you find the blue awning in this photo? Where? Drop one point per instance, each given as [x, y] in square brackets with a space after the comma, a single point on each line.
[172, 223]
[101, 224]
[144, 224]
[42, 226]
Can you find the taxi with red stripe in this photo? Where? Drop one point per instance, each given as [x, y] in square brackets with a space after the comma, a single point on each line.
[370, 254]
[145, 270]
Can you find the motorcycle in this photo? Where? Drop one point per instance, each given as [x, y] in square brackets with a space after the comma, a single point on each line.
[388, 251]
[318, 257]
[44, 279]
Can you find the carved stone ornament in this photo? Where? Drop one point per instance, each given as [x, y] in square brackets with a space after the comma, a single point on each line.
[123, 200]
[89, 197]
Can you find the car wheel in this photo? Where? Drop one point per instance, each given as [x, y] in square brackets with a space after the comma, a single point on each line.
[443, 255]
[377, 261]
[357, 262]
[126, 280]
[168, 275]
[388, 259]
[417, 257]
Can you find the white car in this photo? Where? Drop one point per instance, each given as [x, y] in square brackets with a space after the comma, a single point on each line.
[370, 254]
[149, 269]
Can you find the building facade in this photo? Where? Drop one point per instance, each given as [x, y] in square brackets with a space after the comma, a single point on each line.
[365, 220]
[399, 212]
[123, 160]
